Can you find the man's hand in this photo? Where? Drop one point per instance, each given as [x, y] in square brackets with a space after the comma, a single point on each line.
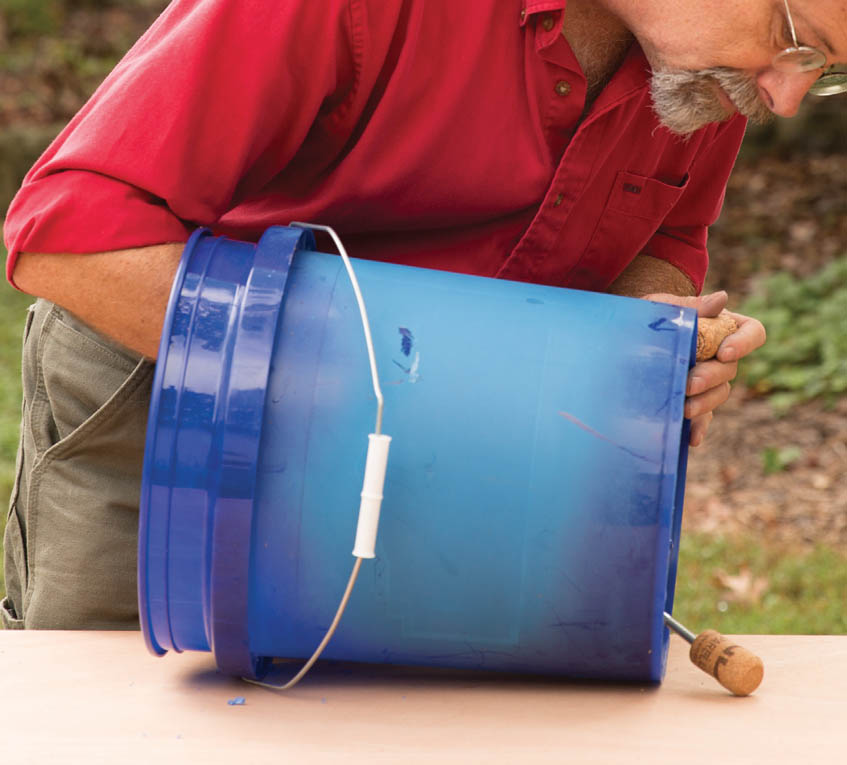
[709, 381]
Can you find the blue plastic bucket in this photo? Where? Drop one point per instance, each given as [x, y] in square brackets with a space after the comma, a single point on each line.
[533, 497]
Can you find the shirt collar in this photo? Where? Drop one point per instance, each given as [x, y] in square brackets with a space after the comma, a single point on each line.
[532, 7]
[633, 73]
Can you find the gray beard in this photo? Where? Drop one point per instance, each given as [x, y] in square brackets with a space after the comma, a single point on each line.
[686, 101]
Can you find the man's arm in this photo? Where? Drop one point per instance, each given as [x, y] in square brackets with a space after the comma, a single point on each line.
[177, 136]
[709, 381]
[646, 275]
[123, 294]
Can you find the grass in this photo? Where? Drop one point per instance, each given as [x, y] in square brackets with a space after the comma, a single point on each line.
[742, 586]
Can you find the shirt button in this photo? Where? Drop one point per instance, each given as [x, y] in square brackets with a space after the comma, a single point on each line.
[523, 14]
[562, 88]
[547, 23]
[558, 200]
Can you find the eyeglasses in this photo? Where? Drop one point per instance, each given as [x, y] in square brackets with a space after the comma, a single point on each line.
[804, 58]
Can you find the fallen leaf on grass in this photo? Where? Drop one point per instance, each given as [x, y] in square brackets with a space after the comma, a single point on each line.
[742, 587]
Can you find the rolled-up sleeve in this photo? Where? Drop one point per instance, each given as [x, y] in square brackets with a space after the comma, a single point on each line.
[211, 102]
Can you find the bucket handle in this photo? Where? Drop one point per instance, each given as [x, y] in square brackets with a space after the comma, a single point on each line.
[363, 312]
[374, 478]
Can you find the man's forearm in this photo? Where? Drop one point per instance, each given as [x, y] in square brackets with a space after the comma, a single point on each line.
[646, 275]
[123, 294]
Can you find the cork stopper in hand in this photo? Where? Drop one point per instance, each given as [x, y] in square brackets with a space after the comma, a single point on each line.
[711, 333]
[734, 667]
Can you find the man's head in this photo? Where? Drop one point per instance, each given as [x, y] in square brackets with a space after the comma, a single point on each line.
[711, 58]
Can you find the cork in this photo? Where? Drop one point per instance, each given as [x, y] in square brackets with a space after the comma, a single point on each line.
[734, 667]
[711, 333]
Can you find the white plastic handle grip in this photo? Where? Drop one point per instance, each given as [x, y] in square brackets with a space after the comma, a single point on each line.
[375, 465]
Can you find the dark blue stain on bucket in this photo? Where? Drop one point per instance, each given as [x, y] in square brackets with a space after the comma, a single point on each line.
[663, 325]
[407, 339]
[412, 368]
[561, 536]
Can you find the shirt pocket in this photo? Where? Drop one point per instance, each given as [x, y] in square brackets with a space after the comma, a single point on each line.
[636, 208]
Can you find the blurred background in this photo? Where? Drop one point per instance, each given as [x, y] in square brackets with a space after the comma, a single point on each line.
[765, 532]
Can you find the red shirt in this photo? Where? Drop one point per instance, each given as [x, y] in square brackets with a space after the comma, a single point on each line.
[436, 133]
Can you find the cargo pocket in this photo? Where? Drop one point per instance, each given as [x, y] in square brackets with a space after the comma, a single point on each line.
[87, 422]
[636, 208]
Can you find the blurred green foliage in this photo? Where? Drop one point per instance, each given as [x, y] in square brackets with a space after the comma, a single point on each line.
[25, 18]
[776, 460]
[53, 55]
[37, 18]
[805, 356]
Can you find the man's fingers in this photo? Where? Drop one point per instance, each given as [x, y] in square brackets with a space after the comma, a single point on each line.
[703, 403]
[712, 304]
[709, 381]
[706, 305]
[710, 374]
[699, 426]
[749, 336]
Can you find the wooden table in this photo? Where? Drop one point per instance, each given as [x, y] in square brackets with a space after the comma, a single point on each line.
[73, 697]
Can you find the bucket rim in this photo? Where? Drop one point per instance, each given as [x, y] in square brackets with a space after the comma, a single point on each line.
[144, 601]
[258, 294]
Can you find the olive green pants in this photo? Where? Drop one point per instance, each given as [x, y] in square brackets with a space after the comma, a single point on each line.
[71, 532]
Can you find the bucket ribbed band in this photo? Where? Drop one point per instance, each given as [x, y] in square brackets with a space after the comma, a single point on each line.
[225, 303]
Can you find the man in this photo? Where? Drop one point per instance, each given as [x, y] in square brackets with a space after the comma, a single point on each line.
[521, 140]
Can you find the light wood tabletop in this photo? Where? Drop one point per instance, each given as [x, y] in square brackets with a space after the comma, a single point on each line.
[74, 697]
